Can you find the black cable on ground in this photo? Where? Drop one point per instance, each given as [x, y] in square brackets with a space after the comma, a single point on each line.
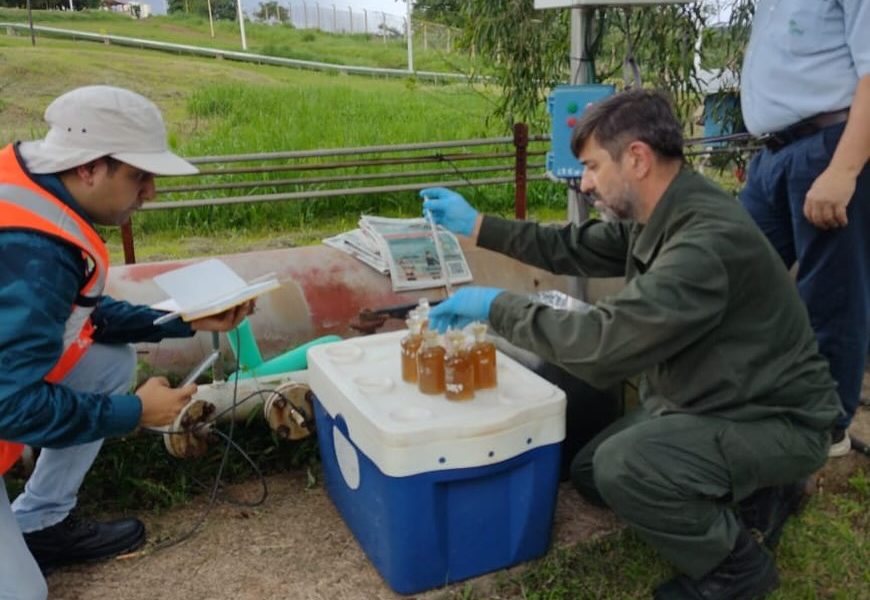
[230, 443]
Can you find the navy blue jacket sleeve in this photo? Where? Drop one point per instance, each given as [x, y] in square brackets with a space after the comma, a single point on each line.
[119, 322]
[39, 280]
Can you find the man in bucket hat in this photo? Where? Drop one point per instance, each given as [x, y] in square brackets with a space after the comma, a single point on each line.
[66, 365]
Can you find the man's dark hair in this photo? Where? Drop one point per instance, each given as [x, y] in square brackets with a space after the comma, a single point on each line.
[633, 115]
[112, 164]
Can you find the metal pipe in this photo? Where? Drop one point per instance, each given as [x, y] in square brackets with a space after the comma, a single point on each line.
[410, 187]
[224, 158]
[360, 163]
[333, 179]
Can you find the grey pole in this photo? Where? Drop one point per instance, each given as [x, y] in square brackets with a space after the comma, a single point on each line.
[409, 35]
[581, 19]
[241, 24]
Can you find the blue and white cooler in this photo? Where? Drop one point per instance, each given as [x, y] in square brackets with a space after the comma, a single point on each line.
[436, 491]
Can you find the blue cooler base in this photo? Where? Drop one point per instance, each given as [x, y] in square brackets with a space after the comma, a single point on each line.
[427, 530]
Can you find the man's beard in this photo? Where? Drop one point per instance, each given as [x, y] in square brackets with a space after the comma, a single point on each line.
[623, 208]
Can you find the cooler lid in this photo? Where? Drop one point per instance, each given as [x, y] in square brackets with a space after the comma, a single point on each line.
[360, 379]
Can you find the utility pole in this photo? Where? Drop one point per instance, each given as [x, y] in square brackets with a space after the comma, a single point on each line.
[242, 24]
[210, 20]
[581, 21]
[409, 35]
[30, 19]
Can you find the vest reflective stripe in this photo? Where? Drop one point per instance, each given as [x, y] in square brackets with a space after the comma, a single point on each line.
[25, 205]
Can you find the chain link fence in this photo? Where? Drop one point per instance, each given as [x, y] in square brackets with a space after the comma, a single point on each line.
[337, 18]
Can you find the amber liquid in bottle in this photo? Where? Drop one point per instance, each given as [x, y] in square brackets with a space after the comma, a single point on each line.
[410, 347]
[430, 365]
[458, 369]
[483, 358]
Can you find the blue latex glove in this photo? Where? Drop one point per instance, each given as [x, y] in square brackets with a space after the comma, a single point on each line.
[449, 209]
[466, 305]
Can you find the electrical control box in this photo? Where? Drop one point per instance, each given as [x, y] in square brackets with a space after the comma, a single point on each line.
[565, 105]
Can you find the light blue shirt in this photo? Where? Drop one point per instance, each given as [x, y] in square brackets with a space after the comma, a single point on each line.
[804, 58]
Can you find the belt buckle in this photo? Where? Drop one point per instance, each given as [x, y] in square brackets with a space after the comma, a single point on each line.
[772, 141]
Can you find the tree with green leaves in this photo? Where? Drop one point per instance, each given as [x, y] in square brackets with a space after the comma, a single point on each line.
[221, 9]
[529, 48]
[446, 12]
[271, 10]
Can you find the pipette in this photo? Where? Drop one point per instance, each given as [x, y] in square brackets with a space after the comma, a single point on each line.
[439, 251]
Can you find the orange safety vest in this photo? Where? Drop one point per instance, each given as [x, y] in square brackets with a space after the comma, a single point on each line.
[26, 205]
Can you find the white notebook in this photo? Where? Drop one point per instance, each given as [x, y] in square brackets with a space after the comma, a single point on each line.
[207, 288]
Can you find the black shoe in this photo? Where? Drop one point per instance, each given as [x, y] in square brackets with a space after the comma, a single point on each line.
[74, 540]
[765, 512]
[748, 573]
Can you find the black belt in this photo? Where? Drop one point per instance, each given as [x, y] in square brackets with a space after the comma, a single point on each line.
[780, 139]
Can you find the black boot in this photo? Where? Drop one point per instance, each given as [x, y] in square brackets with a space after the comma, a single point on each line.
[765, 512]
[748, 573]
[73, 540]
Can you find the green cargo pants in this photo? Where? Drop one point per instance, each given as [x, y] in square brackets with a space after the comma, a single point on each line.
[675, 478]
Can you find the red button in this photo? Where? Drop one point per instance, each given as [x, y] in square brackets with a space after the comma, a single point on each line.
[571, 121]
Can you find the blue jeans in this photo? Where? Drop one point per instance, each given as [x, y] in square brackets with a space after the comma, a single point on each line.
[50, 492]
[833, 275]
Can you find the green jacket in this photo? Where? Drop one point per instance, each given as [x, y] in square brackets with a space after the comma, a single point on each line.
[709, 315]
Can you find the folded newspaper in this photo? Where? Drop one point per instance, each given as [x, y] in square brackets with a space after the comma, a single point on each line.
[406, 249]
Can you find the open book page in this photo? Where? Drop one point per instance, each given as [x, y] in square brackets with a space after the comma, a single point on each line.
[208, 288]
[409, 248]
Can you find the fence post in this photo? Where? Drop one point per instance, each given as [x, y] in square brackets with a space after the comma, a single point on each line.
[334, 19]
[319, 28]
[127, 241]
[521, 144]
[384, 25]
[449, 49]
[425, 36]
[350, 17]
[365, 21]
[304, 15]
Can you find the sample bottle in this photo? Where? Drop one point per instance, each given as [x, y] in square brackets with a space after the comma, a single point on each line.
[458, 368]
[483, 358]
[410, 346]
[430, 364]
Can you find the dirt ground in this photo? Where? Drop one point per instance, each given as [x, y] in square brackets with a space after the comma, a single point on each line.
[296, 546]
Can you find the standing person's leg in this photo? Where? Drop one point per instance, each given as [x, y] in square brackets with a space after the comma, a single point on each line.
[20, 578]
[675, 480]
[834, 274]
[49, 496]
[765, 197]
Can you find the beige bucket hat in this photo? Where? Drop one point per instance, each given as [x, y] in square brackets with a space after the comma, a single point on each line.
[100, 120]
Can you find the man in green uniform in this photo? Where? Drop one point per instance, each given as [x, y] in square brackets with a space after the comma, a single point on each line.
[737, 403]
